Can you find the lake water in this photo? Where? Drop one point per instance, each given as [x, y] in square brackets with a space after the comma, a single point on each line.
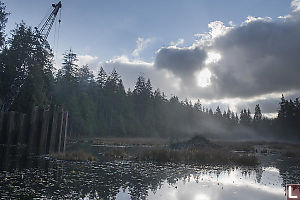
[41, 177]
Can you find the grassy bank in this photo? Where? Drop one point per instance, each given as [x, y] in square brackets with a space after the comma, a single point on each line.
[131, 141]
[74, 156]
[199, 156]
[194, 150]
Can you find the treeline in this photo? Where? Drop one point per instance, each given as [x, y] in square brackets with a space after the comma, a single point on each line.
[100, 106]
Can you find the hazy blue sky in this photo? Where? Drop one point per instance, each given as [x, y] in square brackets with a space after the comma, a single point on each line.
[234, 53]
[107, 28]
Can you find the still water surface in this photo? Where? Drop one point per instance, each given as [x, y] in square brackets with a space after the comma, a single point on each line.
[42, 177]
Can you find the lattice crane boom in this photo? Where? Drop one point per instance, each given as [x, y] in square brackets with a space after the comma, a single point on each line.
[46, 27]
[19, 80]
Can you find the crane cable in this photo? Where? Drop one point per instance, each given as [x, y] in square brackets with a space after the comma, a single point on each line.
[59, 21]
[43, 20]
[56, 39]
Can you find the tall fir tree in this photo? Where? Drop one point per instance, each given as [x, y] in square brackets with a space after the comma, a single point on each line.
[257, 114]
[101, 78]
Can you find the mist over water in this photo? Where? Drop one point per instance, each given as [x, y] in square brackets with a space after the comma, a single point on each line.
[89, 124]
[42, 177]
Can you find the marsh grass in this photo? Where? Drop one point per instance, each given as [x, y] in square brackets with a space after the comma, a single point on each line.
[264, 151]
[130, 141]
[291, 154]
[116, 154]
[201, 156]
[74, 156]
[286, 149]
[238, 146]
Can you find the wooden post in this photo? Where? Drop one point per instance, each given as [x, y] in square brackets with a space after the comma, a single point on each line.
[62, 139]
[60, 129]
[65, 131]
[44, 132]
[20, 128]
[2, 115]
[53, 131]
[3, 139]
[11, 128]
[23, 129]
[5, 158]
[33, 132]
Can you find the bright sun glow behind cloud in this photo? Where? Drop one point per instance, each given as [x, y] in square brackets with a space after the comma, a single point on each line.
[203, 78]
[212, 57]
[202, 197]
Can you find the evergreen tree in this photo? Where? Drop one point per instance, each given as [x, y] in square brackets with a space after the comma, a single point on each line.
[218, 113]
[101, 78]
[197, 106]
[224, 115]
[69, 71]
[103, 108]
[257, 114]
[210, 112]
[282, 111]
[85, 76]
[140, 86]
[28, 59]
[148, 88]
[3, 21]
[112, 82]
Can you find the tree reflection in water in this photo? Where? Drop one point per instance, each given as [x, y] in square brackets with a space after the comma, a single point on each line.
[43, 177]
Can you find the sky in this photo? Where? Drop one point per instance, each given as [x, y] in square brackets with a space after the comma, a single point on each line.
[233, 53]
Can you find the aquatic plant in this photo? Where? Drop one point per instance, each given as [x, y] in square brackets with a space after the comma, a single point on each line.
[74, 156]
[291, 154]
[115, 154]
[201, 156]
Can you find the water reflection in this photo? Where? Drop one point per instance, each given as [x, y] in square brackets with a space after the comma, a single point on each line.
[226, 186]
[46, 178]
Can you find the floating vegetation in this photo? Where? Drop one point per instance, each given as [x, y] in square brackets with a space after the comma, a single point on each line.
[291, 154]
[238, 146]
[189, 170]
[127, 141]
[74, 156]
[264, 150]
[201, 156]
[116, 154]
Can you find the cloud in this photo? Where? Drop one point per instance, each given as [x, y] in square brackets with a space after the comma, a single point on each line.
[256, 58]
[295, 4]
[125, 60]
[91, 61]
[141, 44]
[182, 62]
[295, 14]
[251, 19]
[235, 65]
[216, 29]
[130, 69]
[180, 41]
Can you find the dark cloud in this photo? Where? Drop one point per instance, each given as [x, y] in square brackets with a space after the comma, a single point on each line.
[182, 62]
[130, 70]
[258, 58]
